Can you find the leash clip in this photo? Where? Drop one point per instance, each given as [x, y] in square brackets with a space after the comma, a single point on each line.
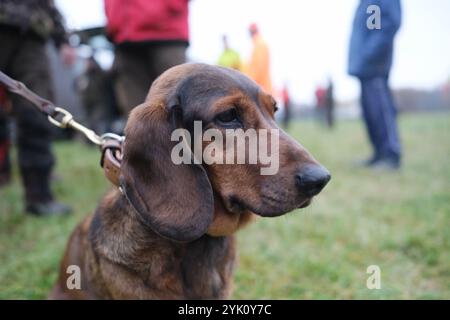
[68, 121]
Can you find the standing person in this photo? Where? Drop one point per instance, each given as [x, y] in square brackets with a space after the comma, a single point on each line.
[321, 99]
[25, 27]
[151, 36]
[329, 104]
[287, 107]
[370, 60]
[229, 57]
[258, 67]
[5, 163]
[92, 85]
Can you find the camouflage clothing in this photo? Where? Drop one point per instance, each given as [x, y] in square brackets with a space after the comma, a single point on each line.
[39, 17]
[25, 26]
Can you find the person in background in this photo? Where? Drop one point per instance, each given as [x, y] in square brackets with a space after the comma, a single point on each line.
[258, 67]
[92, 85]
[321, 100]
[25, 27]
[150, 36]
[5, 162]
[370, 60]
[229, 58]
[287, 107]
[329, 104]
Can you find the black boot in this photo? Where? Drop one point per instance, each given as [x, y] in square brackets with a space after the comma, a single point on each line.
[50, 208]
[38, 195]
[5, 165]
[367, 162]
[386, 164]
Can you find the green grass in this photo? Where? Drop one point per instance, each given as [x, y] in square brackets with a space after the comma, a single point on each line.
[398, 221]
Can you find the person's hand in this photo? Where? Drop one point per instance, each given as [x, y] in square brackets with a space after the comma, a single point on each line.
[68, 54]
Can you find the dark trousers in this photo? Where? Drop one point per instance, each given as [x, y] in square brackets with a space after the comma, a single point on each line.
[380, 116]
[5, 165]
[137, 66]
[24, 58]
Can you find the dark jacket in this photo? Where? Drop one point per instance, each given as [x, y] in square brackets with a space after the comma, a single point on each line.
[147, 20]
[371, 50]
[38, 17]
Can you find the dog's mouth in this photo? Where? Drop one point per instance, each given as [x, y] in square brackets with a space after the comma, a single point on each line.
[305, 203]
[236, 205]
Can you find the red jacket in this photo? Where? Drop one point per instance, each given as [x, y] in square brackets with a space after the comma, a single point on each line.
[147, 20]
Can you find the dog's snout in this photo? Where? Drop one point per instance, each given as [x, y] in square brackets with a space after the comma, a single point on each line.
[312, 179]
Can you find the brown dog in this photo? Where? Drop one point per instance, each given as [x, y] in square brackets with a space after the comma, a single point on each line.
[168, 234]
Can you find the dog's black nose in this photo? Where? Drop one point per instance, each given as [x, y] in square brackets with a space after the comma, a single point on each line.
[311, 179]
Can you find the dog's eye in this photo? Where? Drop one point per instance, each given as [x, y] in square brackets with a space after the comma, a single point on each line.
[275, 108]
[228, 118]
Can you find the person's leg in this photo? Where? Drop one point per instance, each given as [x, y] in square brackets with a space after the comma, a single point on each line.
[286, 116]
[163, 57]
[132, 77]
[369, 115]
[392, 146]
[5, 166]
[330, 115]
[381, 119]
[9, 42]
[34, 132]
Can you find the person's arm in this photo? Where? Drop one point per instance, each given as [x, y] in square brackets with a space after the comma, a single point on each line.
[60, 35]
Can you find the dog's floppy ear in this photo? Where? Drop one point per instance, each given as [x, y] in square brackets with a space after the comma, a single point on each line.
[175, 201]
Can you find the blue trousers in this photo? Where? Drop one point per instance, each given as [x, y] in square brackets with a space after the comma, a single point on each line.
[380, 116]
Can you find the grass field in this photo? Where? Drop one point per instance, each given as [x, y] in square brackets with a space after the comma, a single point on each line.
[399, 221]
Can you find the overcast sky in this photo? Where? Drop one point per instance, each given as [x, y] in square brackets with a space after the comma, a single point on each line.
[308, 39]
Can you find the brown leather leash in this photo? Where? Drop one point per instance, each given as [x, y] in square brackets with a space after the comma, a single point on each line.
[110, 144]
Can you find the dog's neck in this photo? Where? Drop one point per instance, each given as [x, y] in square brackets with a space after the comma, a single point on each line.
[225, 222]
[117, 234]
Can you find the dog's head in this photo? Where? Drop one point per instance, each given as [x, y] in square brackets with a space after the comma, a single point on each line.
[184, 201]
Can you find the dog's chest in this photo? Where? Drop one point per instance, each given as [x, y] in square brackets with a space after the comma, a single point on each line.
[199, 270]
[207, 267]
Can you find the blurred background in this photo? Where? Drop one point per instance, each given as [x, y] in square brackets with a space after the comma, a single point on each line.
[397, 220]
[308, 43]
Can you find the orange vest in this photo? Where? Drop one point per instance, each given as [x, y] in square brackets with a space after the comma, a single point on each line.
[258, 67]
